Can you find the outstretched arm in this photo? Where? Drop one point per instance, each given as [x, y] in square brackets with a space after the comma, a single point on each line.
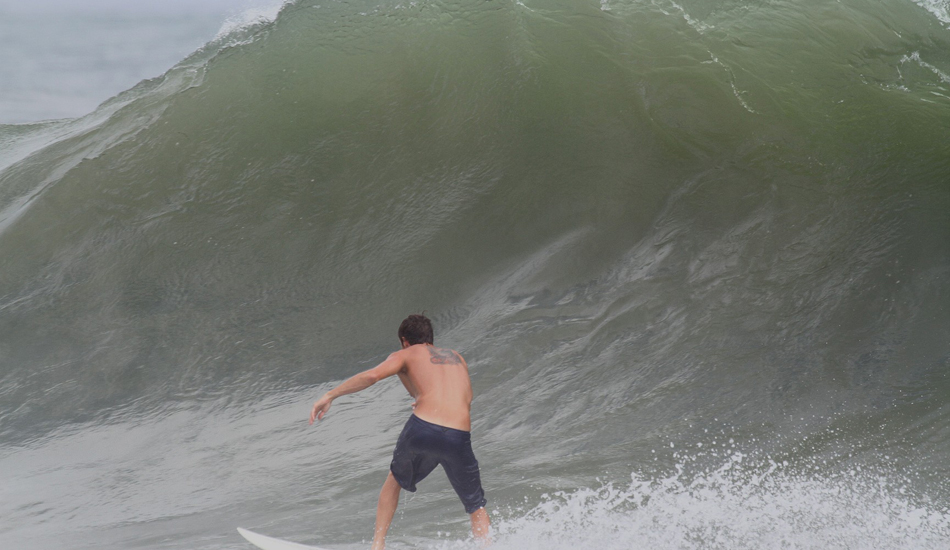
[394, 364]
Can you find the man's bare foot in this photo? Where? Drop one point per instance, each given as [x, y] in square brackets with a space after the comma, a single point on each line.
[480, 527]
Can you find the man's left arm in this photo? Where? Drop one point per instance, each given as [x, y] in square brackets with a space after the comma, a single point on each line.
[394, 364]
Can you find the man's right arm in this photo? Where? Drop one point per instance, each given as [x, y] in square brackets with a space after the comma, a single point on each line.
[394, 364]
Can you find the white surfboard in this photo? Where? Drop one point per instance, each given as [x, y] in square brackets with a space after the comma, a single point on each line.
[270, 543]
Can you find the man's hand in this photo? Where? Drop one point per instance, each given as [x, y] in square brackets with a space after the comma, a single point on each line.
[320, 408]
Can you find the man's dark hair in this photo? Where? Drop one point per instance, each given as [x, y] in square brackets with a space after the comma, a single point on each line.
[416, 329]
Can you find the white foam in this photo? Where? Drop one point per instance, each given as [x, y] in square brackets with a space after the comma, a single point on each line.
[735, 506]
[697, 25]
[262, 13]
[915, 57]
[940, 9]
[774, 512]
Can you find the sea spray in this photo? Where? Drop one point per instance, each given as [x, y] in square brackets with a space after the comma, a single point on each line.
[715, 496]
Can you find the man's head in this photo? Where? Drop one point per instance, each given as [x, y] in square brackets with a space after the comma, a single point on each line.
[416, 329]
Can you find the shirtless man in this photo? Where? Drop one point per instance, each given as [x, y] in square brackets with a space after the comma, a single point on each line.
[438, 432]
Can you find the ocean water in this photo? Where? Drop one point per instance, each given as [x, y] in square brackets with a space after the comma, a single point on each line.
[696, 253]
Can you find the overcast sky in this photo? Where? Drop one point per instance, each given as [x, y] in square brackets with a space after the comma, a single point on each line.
[136, 6]
[60, 58]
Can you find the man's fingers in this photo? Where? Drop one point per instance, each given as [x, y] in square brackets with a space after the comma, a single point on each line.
[318, 411]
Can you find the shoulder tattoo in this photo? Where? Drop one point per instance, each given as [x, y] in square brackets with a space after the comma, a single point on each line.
[439, 356]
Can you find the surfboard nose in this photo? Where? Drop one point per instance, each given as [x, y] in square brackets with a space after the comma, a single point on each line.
[270, 543]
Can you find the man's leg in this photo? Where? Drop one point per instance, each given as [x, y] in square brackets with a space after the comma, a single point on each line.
[388, 500]
[480, 525]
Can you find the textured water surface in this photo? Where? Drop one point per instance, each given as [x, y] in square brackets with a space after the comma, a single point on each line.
[697, 255]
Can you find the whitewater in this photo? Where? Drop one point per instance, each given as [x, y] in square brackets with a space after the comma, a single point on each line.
[696, 254]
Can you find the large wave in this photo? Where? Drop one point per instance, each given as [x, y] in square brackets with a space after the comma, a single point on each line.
[639, 221]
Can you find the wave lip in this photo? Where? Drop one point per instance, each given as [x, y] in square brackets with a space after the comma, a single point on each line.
[250, 17]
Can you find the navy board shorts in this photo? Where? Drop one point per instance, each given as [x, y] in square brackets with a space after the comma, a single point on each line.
[423, 445]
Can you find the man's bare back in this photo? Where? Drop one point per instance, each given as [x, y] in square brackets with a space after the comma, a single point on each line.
[438, 379]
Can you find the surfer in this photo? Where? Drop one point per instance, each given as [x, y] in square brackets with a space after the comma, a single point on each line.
[439, 430]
